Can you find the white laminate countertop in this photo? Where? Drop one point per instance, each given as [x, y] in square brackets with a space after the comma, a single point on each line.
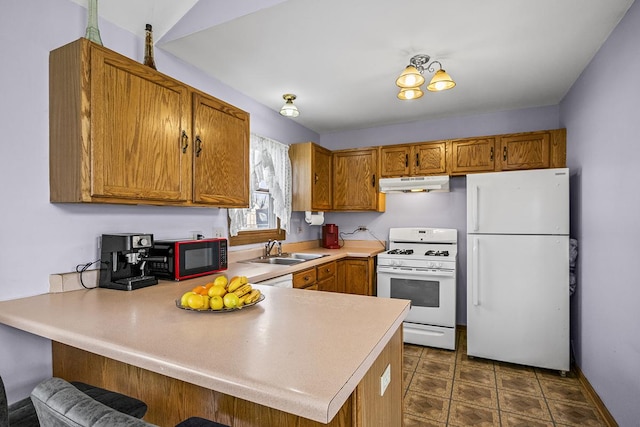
[299, 351]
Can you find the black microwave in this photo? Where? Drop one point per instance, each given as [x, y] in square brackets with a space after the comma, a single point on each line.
[186, 259]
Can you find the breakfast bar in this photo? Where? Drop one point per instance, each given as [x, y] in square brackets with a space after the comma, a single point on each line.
[296, 358]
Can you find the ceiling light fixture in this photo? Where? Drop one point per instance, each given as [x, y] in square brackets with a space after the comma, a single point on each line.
[288, 109]
[411, 78]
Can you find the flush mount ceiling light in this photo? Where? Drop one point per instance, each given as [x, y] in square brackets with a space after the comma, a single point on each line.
[411, 78]
[288, 109]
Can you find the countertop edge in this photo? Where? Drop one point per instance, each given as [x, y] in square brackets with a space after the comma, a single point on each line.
[342, 396]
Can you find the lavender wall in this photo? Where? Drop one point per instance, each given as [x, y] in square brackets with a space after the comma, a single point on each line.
[39, 238]
[601, 114]
[447, 210]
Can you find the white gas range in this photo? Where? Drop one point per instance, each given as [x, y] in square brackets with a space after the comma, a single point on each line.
[420, 266]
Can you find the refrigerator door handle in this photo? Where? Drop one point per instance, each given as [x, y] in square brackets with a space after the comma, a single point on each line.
[474, 271]
[474, 207]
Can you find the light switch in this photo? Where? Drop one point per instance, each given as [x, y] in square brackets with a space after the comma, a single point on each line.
[385, 379]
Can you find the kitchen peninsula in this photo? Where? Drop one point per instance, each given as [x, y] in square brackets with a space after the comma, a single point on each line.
[297, 358]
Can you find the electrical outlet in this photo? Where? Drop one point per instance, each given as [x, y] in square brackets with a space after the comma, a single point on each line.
[218, 232]
[196, 235]
[385, 380]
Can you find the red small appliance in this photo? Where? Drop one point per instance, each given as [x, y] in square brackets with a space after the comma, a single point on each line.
[330, 236]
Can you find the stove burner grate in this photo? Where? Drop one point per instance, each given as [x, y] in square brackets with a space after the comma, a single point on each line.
[436, 253]
[400, 252]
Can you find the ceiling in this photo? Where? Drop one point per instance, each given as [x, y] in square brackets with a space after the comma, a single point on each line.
[341, 57]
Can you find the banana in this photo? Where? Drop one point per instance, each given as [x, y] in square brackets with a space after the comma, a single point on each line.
[236, 282]
[243, 290]
[252, 297]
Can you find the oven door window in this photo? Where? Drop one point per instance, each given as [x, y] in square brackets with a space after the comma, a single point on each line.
[421, 292]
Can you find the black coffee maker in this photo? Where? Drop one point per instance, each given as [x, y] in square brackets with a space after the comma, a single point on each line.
[123, 261]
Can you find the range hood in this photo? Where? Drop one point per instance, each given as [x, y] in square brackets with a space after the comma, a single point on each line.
[414, 184]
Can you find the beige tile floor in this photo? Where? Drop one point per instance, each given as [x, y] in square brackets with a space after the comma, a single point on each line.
[447, 388]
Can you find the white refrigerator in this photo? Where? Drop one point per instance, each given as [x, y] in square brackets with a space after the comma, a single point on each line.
[518, 267]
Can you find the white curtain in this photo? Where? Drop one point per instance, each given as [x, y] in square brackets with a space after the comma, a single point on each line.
[269, 163]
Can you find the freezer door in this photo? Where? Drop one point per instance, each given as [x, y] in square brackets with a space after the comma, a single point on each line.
[520, 202]
[518, 299]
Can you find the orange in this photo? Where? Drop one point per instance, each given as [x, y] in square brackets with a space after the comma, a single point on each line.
[200, 290]
[209, 285]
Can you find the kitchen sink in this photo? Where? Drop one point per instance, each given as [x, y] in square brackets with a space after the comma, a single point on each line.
[304, 256]
[286, 258]
[276, 260]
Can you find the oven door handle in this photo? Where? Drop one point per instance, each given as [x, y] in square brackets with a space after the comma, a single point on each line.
[415, 272]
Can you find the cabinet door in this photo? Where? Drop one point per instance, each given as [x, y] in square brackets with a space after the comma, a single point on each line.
[472, 155]
[326, 277]
[355, 179]
[355, 276]
[528, 151]
[328, 285]
[395, 161]
[429, 159]
[138, 117]
[321, 184]
[221, 153]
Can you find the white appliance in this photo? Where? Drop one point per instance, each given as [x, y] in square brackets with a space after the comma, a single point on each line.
[518, 267]
[420, 266]
[414, 184]
[285, 281]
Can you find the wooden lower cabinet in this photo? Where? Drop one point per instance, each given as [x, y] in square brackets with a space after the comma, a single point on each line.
[326, 276]
[322, 278]
[305, 279]
[171, 401]
[357, 276]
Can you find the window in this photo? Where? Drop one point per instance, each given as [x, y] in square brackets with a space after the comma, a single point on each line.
[269, 211]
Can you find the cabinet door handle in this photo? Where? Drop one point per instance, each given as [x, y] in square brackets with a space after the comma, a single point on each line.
[417, 159]
[491, 154]
[406, 160]
[316, 178]
[307, 278]
[185, 141]
[504, 154]
[373, 180]
[198, 145]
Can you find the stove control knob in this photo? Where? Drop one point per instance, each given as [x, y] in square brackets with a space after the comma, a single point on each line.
[438, 265]
[429, 264]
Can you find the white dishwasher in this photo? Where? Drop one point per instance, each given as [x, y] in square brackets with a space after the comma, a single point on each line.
[285, 281]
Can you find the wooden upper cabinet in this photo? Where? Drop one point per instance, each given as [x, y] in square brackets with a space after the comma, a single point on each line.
[394, 160]
[430, 158]
[221, 151]
[413, 159]
[472, 155]
[121, 132]
[311, 173]
[355, 180]
[532, 150]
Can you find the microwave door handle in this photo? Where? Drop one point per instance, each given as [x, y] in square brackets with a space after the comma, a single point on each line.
[474, 270]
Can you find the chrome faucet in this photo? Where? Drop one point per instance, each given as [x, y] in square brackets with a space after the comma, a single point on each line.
[268, 247]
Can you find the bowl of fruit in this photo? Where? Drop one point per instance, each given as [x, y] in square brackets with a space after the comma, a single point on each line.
[221, 296]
